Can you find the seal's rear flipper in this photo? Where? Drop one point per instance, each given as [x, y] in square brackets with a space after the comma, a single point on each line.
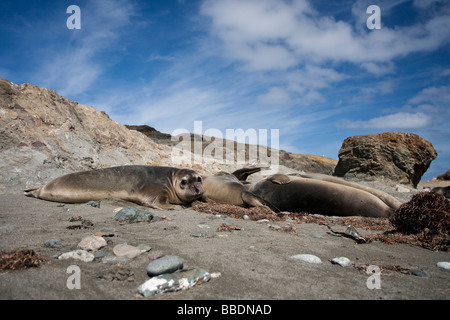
[32, 192]
[243, 173]
[279, 178]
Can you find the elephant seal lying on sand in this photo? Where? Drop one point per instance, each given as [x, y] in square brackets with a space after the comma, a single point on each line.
[151, 186]
[296, 194]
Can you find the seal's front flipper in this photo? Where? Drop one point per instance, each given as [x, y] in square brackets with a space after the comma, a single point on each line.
[160, 202]
[253, 200]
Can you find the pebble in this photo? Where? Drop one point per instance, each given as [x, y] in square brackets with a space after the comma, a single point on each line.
[55, 255]
[218, 216]
[144, 247]
[310, 258]
[127, 251]
[316, 235]
[199, 235]
[132, 214]
[263, 221]
[95, 204]
[92, 243]
[351, 231]
[79, 254]
[8, 228]
[100, 255]
[418, 273]
[52, 243]
[444, 265]
[108, 230]
[170, 282]
[113, 259]
[166, 264]
[342, 261]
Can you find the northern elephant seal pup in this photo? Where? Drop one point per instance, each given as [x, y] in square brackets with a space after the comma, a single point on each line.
[226, 188]
[321, 197]
[389, 200]
[151, 186]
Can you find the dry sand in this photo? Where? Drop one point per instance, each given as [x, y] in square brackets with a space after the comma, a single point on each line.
[254, 262]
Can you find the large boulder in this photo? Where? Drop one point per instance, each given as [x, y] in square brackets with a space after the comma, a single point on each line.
[397, 156]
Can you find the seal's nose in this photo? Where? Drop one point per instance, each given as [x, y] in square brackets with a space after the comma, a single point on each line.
[198, 190]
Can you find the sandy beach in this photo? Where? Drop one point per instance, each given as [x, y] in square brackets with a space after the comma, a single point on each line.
[254, 259]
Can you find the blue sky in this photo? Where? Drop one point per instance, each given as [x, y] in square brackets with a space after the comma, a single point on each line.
[312, 69]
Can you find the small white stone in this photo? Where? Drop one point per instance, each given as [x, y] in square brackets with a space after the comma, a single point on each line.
[310, 258]
[82, 255]
[342, 261]
[444, 265]
[153, 286]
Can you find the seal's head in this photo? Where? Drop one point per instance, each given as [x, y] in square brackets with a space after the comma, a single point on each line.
[188, 185]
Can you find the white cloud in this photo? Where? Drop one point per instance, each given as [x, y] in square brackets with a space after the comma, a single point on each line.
[275, 35]
[157, 57]
[400, 120]
[439, 96]
[445, 73]
[315, 77]
[275, 96]
[379, 69]
[422, 4]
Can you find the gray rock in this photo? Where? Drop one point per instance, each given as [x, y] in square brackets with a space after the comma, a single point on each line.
[94, 204]
[310, 258]
[52, 243]
[169, 282]
[166, 264]
[418, 273]
[342, 261]
[132, 214]
[100, 255]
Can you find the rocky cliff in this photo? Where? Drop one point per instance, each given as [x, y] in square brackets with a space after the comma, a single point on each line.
[44, 135]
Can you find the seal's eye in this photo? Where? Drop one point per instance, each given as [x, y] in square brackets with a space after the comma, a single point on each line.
[183, 182]
[199, 179]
